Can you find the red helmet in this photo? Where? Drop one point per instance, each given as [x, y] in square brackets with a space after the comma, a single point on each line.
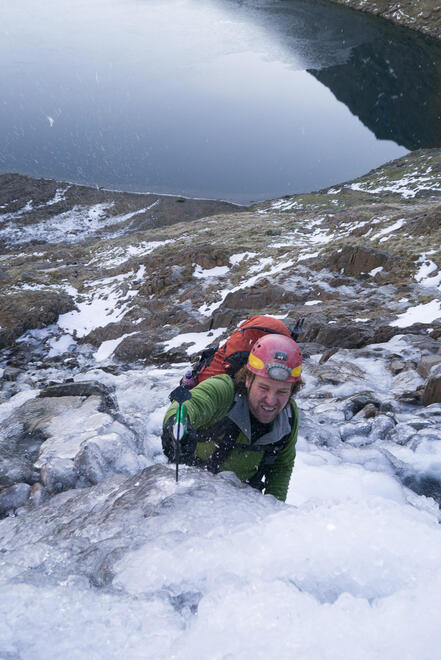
[277, 357]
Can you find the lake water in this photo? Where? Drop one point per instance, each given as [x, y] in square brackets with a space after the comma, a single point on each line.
[230, 99]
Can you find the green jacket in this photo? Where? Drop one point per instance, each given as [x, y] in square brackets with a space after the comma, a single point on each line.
[213, 400]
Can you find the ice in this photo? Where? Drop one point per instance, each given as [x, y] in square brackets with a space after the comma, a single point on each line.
[142, 567]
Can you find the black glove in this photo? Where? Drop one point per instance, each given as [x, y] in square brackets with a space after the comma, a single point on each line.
[188, 442]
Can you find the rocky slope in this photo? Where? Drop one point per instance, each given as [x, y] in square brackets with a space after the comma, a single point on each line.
[421, 15]
[93, 285]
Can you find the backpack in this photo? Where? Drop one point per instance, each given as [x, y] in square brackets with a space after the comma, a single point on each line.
[233, 354]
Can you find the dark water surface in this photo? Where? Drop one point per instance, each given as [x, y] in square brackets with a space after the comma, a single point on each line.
[238, 100]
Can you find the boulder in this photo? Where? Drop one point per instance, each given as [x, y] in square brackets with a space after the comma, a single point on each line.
[432, 390]
[339, 335]
[58, 474]
[83, 388]
[25, 310]
[137, 347]
[355, 260]
[426, 363]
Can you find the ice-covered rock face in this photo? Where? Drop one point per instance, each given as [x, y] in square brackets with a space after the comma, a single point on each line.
[150, 568]
[101, 553]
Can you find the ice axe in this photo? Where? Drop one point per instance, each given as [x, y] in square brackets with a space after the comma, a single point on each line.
[179, 394]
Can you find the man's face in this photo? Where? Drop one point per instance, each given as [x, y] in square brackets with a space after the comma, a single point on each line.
[267, 397]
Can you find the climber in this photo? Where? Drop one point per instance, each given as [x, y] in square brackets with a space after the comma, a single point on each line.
[247, 425]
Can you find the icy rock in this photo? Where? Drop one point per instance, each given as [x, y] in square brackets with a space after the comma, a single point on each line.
[11, 373]
[84, 388]
[382, 426]
[359, 429]
[90, 464]
[356, 404]
[402, 433]
[330, 411]
[58, 474]
[406, 382]
[14, 497]
[335, 372]
[317, 433]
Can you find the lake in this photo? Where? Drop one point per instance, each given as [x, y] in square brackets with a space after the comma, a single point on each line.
[224, 99]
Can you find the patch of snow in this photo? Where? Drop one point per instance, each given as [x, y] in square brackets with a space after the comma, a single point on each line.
[374, 271]
[388, 230]
[240, 256]
[198, 340]
[107, 347]
[424, 313]
[218, 271]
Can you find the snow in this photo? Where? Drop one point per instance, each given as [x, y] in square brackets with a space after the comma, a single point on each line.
[235, 259]
[424, 313]
[107, 303]
[107, 347]
[313, 302]
[198, 340]
[218, 271]
[383, 234]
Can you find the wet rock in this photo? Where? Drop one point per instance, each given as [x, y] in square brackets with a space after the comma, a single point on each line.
[14, 497]
[58, 474]
[369, 411]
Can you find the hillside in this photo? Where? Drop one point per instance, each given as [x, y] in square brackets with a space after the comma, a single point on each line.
[104, 299]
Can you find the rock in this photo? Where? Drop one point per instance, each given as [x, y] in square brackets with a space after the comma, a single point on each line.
[402, 433]
[30, 309]
[11, 373]
[83, 388]
[39, 495]
[432, 390]
[14, 497]
[356, 403]
[358, 429]
[341, 336]
[357, 260]
[336, 372]
[369, 411]
[90, 464]
[426, 363]
[137, 347]
[256, 298]
[406, 383]
[58, 474]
